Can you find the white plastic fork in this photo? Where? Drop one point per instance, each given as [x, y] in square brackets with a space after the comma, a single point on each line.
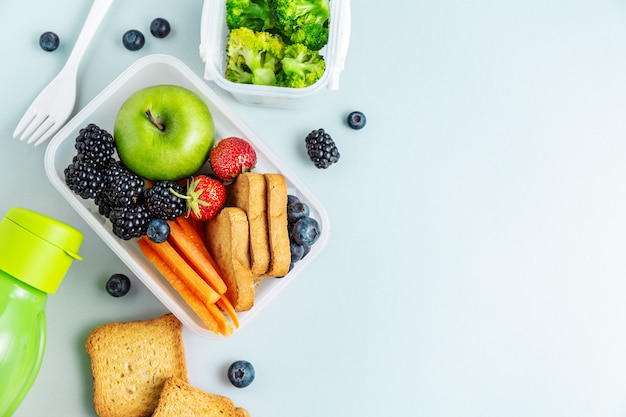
[54, 105]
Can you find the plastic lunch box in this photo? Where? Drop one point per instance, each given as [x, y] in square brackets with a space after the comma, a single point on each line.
[213, 39]
[102, 110]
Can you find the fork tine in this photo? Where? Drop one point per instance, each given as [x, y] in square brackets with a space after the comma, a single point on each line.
[23, 123]
[51, 131]
[44, 132]
[33, 125]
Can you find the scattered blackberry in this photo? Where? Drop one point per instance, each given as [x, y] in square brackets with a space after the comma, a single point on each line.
[84, 179]
[123, 187]
[164, 204]
[130, 221]
[321, 148]
[94, 145]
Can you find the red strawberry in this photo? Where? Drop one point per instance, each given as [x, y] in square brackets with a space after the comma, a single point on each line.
[232, 156]
[205, 197]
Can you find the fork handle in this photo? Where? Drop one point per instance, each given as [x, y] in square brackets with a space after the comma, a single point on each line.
[95, 17]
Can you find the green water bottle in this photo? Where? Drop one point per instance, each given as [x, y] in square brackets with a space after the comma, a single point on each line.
[35, 253]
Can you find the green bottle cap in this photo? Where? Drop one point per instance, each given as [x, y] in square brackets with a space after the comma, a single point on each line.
[37, 249]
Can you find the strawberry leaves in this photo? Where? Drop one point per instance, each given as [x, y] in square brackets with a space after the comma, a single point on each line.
[205, 197]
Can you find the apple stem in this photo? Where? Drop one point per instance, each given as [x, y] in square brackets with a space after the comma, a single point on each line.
[154, 121]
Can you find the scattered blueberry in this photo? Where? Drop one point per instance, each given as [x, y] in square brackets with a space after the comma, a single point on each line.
[297, 211]
[306, 231]
[133, 40]
[49, 41]
[158, 230]
[241, 373]
[160, 27]
[356, 120]
[118, 285]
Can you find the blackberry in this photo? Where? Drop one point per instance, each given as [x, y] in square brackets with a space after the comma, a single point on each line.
[123, 187]
[94, 145]
[104, 205]
[163, 203]
[130, 221]
[84, 179]
[321, 148]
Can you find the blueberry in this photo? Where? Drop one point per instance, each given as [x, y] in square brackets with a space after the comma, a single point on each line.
[49, 41]
[241, 373]
[291, 199]
[160, 27]
[356, 120]
[306, 231]
[297, 251]
[297, 211]
[133, 40]
[118, 285]
[158, 230]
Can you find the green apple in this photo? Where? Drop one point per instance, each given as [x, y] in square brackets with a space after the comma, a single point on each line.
[164, 132]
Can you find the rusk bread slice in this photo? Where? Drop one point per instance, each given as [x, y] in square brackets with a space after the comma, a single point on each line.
[130, 363]
[280, 254]
[180, 399]
[248, 193]
[227, 239]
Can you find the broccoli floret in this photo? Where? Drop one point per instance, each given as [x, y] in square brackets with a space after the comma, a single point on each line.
[312, 35]
[253, 57]
[252, 14]
[301, 67]
[303, 21]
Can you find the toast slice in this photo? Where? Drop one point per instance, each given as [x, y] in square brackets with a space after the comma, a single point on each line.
[130, 363]
[228, 242]
[248, 193]
[280, 254]
[180, 399]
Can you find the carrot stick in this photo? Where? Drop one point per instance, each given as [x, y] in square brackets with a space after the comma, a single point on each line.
[225, 305]
[192, 251]
[193, 232]
[189, 296]
[224, 325]
[181, 268]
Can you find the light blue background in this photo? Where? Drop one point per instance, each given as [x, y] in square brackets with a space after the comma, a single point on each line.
[477, 262]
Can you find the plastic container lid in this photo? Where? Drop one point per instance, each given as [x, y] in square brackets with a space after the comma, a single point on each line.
[37, 249]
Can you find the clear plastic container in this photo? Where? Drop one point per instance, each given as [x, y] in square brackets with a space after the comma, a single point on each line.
[213, 39]
[164, 69]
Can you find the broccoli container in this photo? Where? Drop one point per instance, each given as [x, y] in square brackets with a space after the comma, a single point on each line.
[282, 85]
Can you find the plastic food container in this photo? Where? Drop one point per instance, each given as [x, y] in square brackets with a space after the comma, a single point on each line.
[214, 37]
[102, 110]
